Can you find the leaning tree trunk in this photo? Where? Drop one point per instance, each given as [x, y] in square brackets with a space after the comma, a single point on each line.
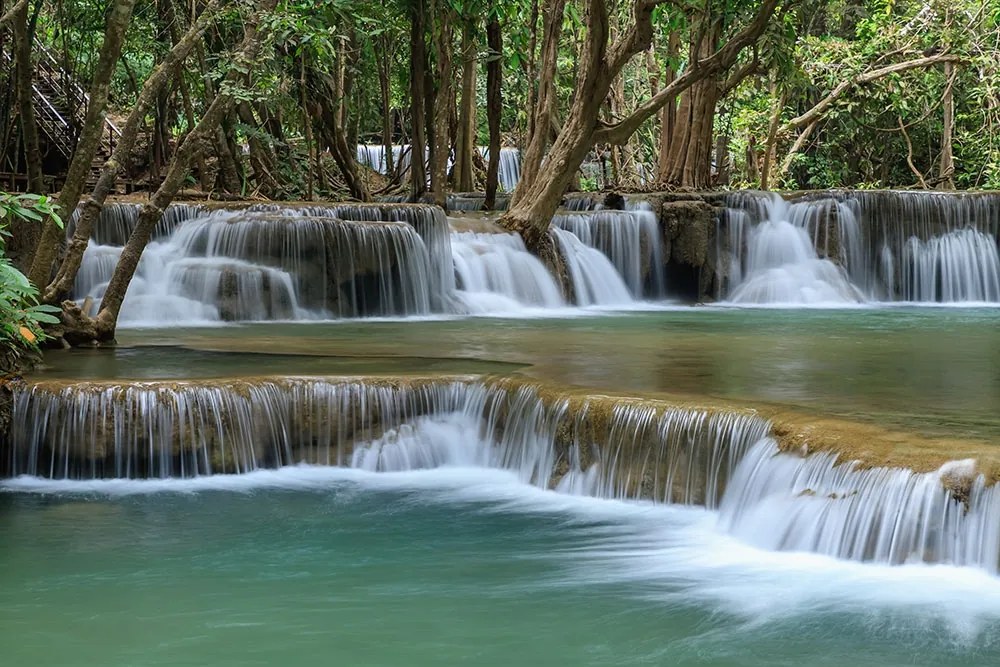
[91, 209]
[494, 105]
[327, 97]
[538, 141]
[180, 166]
[90, 139]
[539, 197]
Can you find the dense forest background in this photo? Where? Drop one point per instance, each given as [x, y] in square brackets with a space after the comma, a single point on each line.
[861, 93]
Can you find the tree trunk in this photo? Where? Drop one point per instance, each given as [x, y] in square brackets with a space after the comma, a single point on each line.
[261, 159]
[418, 96]
[307, 127]
[689, 163]
[538, 139]
[443, 29]
[60, 288]
[382, 56]
[539, 196]
[327, 101]
[23, 36]
[465, 146]
[770, 146]
[89, 142]
[529, 71]
[494, 105]
[946, 170]
[668, 114]
[180, 165]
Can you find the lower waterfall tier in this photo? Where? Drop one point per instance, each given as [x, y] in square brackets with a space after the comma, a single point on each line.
[770, 495]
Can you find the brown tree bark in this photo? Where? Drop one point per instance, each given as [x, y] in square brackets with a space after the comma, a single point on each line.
[539, 196]
[689, 159]
[262, 160]
[538, 137]
[465, 144]
[418, 96]
[494, 104]
[90, 139]
[180, 165]
[946, 168]
[327, 100]
[668, 114]
[11, 14]
[23, 36]
[529, 71]
[384, 63]
[443, 31]
[307, 127]
[91, 207]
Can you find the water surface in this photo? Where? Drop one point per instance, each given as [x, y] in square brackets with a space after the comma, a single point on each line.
[308, 566]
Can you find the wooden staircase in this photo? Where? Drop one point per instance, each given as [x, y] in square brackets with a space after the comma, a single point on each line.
[60, 105]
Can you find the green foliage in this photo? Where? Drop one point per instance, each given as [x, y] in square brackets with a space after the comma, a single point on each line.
[21, 316]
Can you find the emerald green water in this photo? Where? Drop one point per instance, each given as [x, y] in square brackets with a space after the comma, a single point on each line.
[451, 567]
[458, 566]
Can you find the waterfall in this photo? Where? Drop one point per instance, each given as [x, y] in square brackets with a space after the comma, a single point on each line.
[496, 273]
[599, 446]
[781, 265]
[595, 279]
[429, 222]
[116, 221]
[963, 265]
[784, 502]
[509, 172]
[630, 239]
[612, 448]
[373, 157]
[278, 264]
[910, 246]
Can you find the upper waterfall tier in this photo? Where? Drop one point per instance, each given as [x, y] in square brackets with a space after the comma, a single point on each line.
[891, 246]
[309, 262]
[631, 240]
[230, 265]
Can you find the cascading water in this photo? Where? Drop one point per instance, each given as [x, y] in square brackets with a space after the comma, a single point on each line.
[781, 265]
[630, 239]
[271, 262]
[783, 502]
[962, 265]
[908, 246]
[373, 157]
[496, 273]
[595, 280]
[597, 446]
[185, 429]
[509, 172]
[236, 266]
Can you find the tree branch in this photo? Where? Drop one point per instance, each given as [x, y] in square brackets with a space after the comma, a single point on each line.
[720, 60]
[821, 107]
[12, 13]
